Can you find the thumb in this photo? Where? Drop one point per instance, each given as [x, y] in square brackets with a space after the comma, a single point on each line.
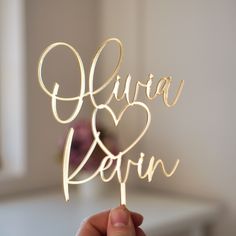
[120, 222]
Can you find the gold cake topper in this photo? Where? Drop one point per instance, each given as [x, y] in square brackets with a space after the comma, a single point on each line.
[162, 89]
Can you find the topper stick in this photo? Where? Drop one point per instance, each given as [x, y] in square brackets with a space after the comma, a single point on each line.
[122, 193]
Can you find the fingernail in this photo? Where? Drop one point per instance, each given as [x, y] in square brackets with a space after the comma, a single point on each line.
[119, 217]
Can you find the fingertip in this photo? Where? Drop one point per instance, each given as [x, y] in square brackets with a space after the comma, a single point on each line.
[137, 218]
[95, 225]
[140, 232]
[120, 222]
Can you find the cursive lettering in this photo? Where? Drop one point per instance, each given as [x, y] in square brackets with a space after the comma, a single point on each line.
[110, 162]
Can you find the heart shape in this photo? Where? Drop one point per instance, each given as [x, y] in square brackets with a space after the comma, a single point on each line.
[116, 121]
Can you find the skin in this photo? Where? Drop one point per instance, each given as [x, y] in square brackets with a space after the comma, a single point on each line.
[102, 224]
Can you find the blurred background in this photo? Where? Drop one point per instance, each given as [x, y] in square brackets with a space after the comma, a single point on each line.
[189, 40]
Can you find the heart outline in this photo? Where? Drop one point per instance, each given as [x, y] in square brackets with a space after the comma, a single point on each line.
[116, 120]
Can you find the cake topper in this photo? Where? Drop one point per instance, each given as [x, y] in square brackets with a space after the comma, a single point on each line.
[110, 161]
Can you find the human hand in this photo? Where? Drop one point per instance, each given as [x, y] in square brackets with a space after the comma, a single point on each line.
[117, 222]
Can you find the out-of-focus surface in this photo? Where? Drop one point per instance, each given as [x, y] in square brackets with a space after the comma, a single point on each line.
[163, 214]
[190, 40]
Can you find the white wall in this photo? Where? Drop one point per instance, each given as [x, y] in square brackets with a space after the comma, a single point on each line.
[48, 22]
[195, 41]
